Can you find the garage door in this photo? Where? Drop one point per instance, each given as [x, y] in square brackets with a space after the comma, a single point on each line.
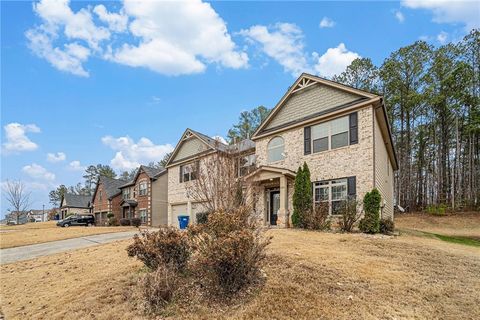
[178, 210]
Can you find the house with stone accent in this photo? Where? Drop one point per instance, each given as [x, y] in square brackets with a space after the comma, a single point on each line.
[342, 133]
[72, 204]
[106, 199]
[146, 196]
[191, 152]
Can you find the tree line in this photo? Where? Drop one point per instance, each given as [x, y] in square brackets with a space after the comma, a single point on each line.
[432, 95]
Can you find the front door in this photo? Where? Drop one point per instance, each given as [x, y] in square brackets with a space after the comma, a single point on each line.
[274, 206]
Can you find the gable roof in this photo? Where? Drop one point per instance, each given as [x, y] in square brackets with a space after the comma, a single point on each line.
[305, 82]
[209, 143]
[110, 185]
[77, 200]
[152, 173]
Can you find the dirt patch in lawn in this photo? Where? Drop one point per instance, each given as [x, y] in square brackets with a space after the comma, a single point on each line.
[32, 233]
[309, 275]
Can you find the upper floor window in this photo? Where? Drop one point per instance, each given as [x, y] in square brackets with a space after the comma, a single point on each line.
[142, 188]
[126, 193]
[188, 171]
[275, 149]
[245, 164]
[330, 135]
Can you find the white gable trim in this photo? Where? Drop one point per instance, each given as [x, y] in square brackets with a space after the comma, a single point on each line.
[304, 81]
[188, 134]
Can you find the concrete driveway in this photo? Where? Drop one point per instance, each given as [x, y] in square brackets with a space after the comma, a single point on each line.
[10, 255]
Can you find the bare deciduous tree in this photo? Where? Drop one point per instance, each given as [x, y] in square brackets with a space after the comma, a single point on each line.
[17, 195]
[217, 186]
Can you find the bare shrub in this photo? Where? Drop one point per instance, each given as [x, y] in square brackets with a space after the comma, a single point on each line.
[317, 218]
[167, 246]
[230, 252]
[158, 287]
[136, 222]
[349, 215]
[124, 222]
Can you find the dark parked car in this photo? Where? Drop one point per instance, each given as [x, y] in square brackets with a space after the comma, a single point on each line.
[83, 220]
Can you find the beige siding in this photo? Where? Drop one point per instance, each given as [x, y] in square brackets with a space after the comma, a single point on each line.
[177, 210]
[383, 173]
[160, 201]
[354, 160]
[189, 148]
[311, 100]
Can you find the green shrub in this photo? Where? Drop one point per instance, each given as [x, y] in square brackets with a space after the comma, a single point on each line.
[202, 217]
[302, 196]
[124, 222]
[110, 215]
[317, 218]
[167, 246]
[349, 215]
[112, 221]
[386, 226]
[136, 222]
[371, 207]
[437, 210]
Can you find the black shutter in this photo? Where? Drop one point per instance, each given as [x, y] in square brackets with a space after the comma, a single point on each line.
[307, 145]
[181, 174]
[352, 187]
[354, 128]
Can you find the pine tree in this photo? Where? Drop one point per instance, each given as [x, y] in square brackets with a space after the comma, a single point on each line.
[297, 198]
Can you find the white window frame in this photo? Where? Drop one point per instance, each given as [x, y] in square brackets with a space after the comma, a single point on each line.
[329, 134]
[192, 174]
[126, 194]
[270, 148]
[329, 184]
[244, 169]
[142, 191]
[143, 215]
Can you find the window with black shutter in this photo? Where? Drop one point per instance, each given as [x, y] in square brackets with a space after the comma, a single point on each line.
[352, 187]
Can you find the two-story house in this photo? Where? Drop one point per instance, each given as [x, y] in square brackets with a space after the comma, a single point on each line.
[191, 152]
[106, 199]
[342, 134]
[146, 196]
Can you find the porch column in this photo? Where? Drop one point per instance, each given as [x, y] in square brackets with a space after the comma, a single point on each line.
[282, 212]
[189, 212]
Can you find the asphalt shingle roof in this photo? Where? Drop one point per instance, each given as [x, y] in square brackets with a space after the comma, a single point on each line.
[111, 186]
[77, 201]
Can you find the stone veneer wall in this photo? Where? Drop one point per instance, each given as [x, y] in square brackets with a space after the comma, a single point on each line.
[354, 160]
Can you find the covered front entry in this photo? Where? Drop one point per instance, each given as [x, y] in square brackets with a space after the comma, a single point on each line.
[273, 188]
[128, 209]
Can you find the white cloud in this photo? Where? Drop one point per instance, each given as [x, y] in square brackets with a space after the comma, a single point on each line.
[75, 165]
[116, 22]
[282, 42]
[36, 171]
[334, 61]
[449, 11]
[16, 139]
[442, 37]
[399, 16]
[171, 38]
[130, 154]
[56, 157]
[327, 23]
[177, 38]
[220, 139]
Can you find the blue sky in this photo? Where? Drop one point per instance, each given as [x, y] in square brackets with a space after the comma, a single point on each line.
[118, 82]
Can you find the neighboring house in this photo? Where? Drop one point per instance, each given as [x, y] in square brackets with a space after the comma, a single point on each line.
[185, 162]
[74, 204]
[37, 215]
[342, 134]
[145, 197]
[13, 215]
[107, 198]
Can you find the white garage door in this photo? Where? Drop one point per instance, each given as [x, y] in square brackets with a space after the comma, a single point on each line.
[178, 210]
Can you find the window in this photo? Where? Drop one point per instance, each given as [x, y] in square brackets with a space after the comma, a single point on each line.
[143, 215]
[330, 135]
[126, 193]
[245, 164]
[275, 149]
[142, 188]
[188, 172]
[334, 192]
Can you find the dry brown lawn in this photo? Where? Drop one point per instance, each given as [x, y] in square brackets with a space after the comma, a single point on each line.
[310, 275]
[32, 233]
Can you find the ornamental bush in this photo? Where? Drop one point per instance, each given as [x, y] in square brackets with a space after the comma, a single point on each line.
[349, 215]
[386, 226]
[371, 207]
[302, 196]
[136, 222]
[124, 222]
